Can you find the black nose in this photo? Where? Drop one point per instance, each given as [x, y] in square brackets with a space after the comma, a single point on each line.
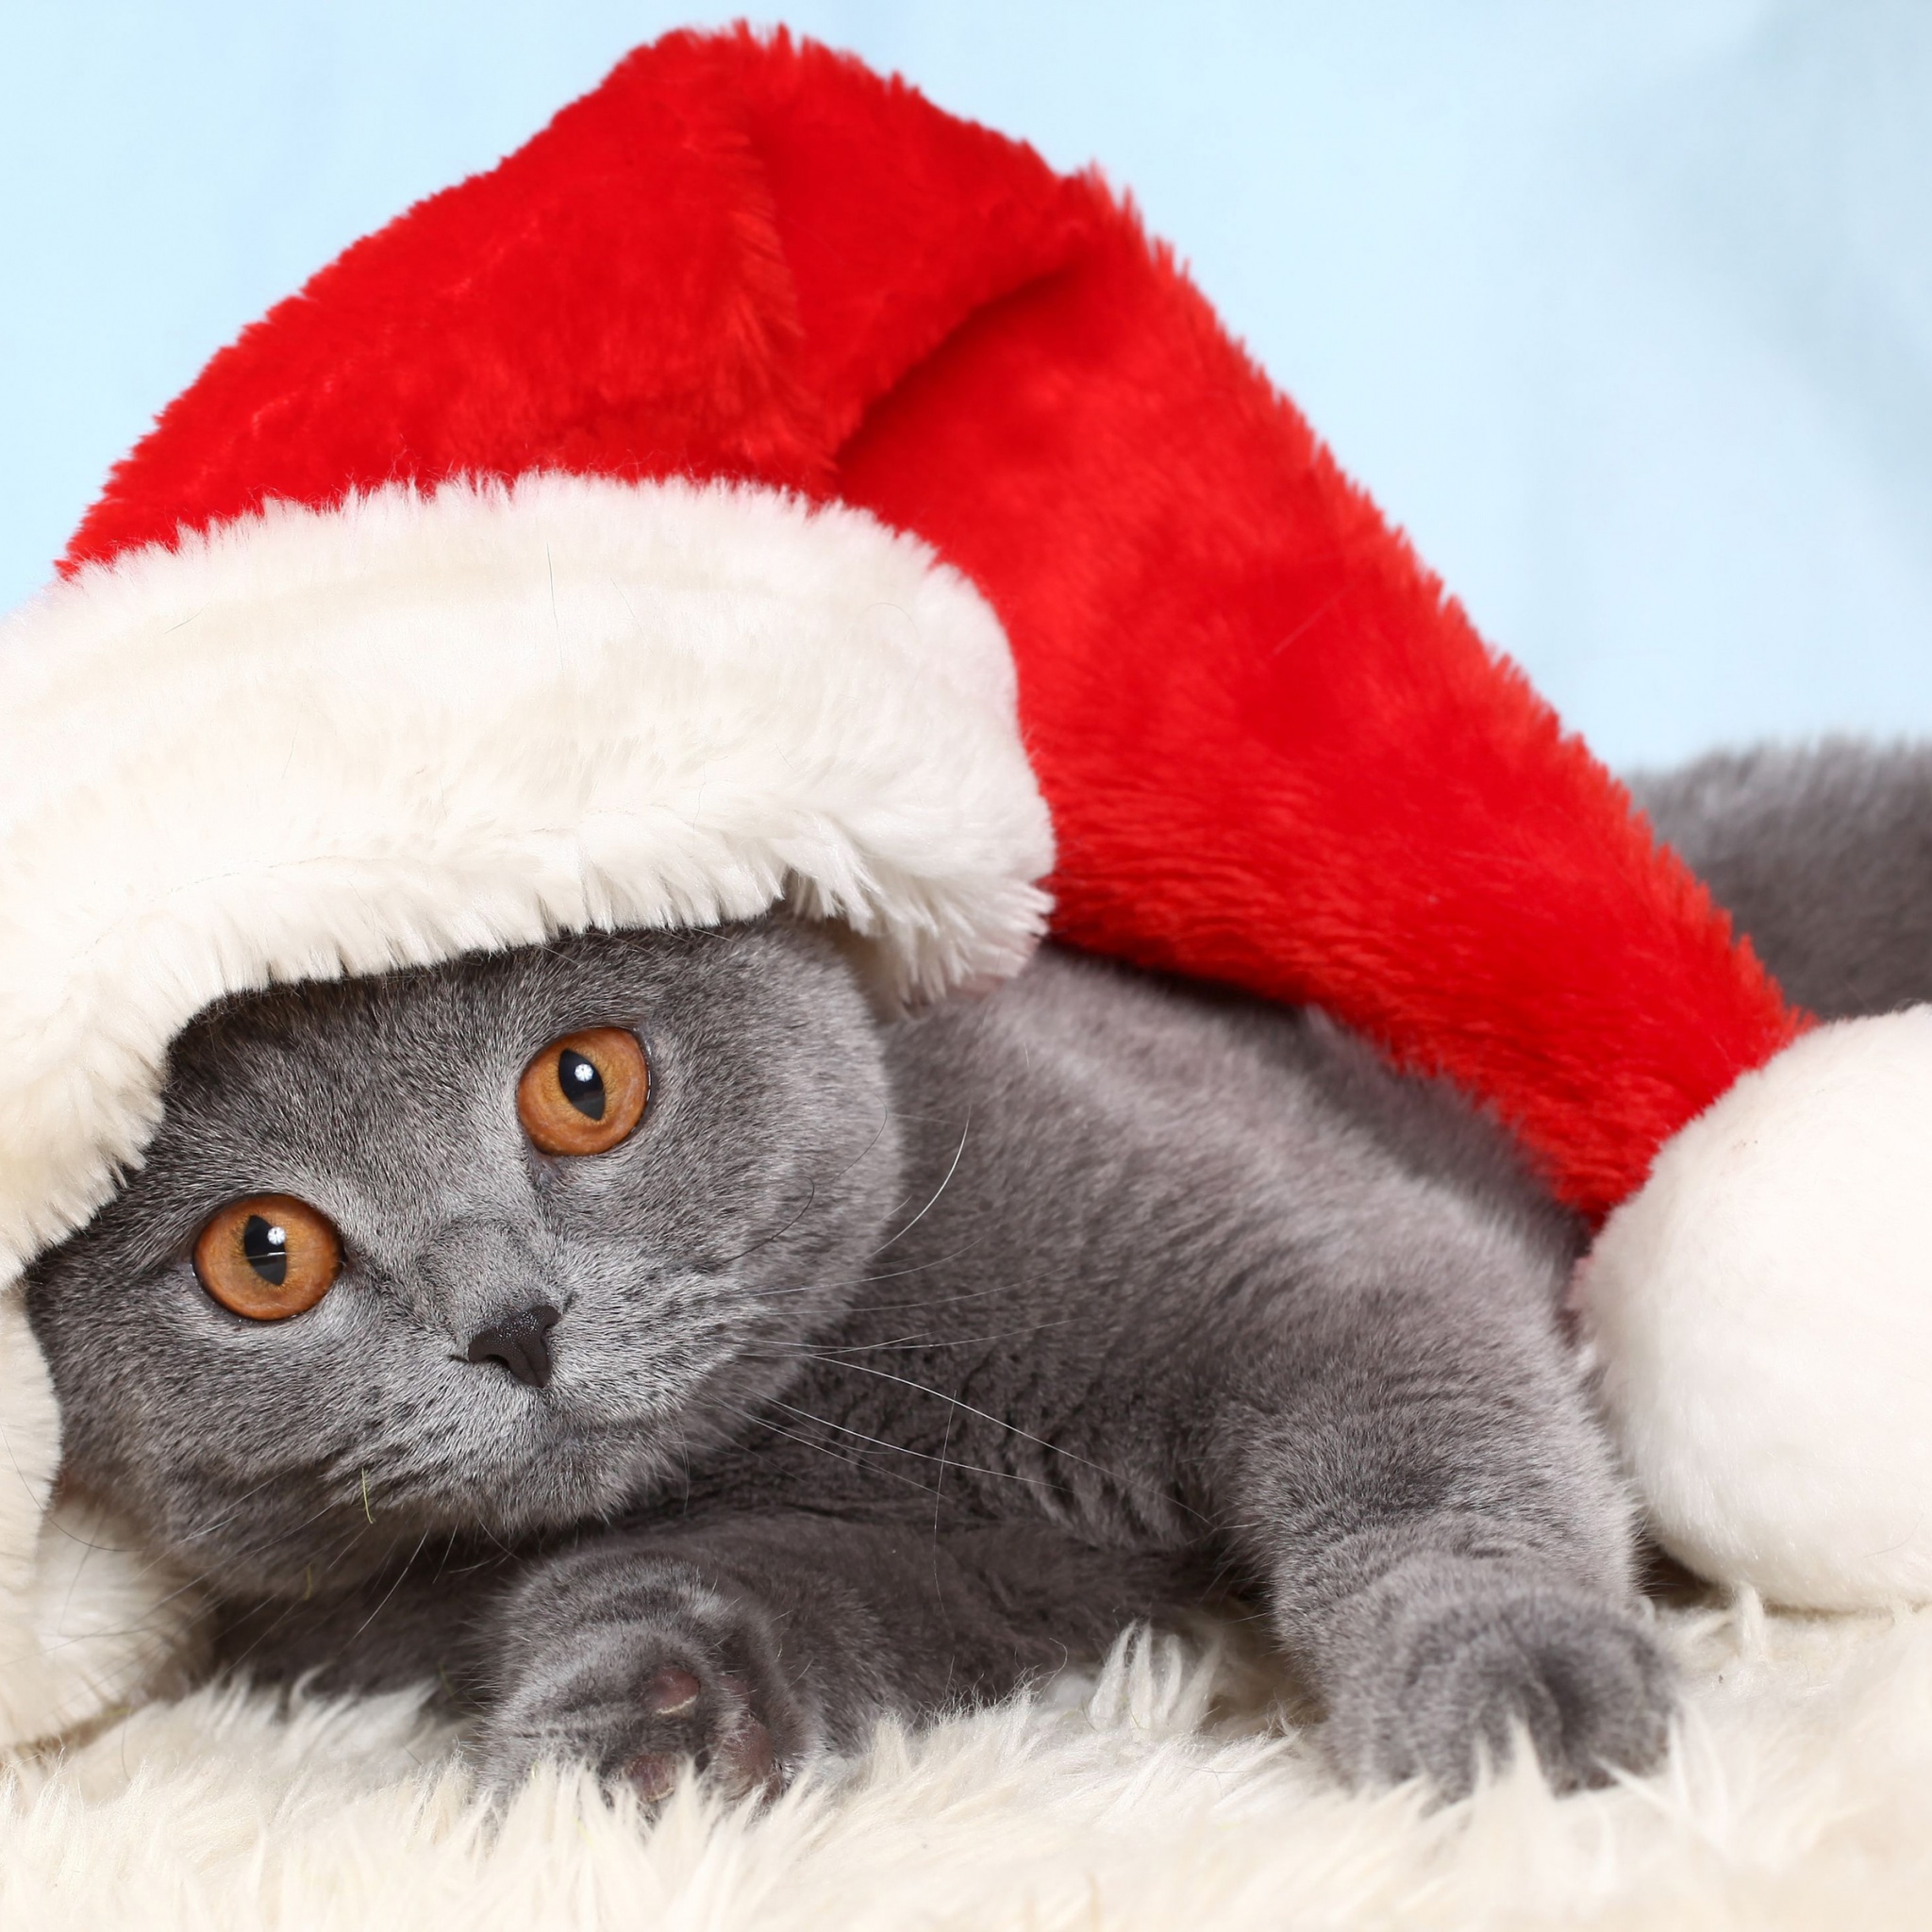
[520, 1344]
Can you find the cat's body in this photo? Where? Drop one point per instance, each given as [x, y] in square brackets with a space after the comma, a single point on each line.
[1823, 855]
[888, 1364]
[893, 1362]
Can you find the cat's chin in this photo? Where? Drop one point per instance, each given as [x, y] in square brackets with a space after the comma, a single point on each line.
[308, 1537]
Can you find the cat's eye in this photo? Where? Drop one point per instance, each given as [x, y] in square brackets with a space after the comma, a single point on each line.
[584, 1093]
[268, 1256]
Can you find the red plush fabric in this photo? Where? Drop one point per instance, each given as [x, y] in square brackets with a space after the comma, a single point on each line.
[1275, 754]
[711, 265]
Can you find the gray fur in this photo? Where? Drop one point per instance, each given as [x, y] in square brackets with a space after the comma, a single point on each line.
[1823, 857]
[897, 1363]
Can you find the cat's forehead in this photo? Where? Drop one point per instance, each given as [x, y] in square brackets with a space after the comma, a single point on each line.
[427, 1014]
[426, 1037]
[468, 1005]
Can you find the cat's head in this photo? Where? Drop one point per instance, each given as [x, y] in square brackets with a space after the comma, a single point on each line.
[493, 1246]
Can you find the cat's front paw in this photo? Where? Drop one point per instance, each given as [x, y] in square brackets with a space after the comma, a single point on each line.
[712, 1727]
[1474, 1662]
[680, 1690]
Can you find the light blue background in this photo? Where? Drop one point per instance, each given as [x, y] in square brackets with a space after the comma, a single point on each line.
[1625, 310]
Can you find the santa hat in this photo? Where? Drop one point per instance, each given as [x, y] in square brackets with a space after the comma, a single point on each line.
[763, 489]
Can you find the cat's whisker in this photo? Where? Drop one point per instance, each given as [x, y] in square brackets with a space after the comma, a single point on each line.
[918, 1342]
[1112, 1475]
[221, 1522]
[382, 1603]
[893, 1274]
[238, 1551]
[449, 1549]
[864, 1154]
[904, 1449]
[197, 1578]
[958, 1154]
[765, 1421]
[777, 1234]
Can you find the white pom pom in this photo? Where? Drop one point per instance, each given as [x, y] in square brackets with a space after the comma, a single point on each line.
[1761, 1315]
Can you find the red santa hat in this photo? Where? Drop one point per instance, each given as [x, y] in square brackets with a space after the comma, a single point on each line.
[763, 488]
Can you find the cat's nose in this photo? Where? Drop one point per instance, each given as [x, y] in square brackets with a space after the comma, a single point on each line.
[520, 1344]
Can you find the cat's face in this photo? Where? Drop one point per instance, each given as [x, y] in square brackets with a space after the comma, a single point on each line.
[683, 1264]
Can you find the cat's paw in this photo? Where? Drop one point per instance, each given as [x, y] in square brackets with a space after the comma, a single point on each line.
[1474, 1663]
[712, 1727]
[675, 1691]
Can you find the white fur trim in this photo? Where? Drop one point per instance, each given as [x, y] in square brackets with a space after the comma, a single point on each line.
[29, 1456]
[313, 744]
[85, 1622]
[1760, 1314]
[316, 743]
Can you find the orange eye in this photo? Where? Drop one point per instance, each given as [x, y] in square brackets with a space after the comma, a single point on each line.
[268, 1258]
[585, 1093]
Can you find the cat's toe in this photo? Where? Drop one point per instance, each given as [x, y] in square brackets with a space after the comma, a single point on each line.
[1462, 1682]
[646, 1708]
[712, 1730]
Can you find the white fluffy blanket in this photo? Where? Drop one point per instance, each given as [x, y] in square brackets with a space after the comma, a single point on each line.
[1161, 1794]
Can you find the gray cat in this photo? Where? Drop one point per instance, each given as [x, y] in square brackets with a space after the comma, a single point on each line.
[876, 1367]
[639, 1339]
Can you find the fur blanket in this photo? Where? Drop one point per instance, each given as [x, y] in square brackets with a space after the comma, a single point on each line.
[1168, 1790]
